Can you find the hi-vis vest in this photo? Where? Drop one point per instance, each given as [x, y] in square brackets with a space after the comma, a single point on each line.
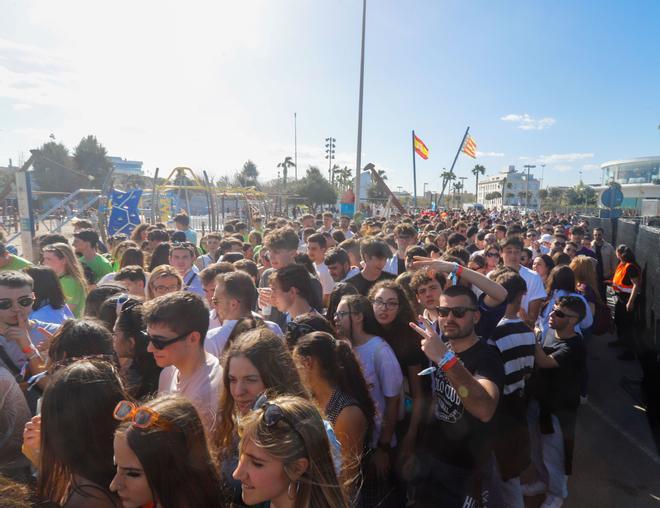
[617, 281]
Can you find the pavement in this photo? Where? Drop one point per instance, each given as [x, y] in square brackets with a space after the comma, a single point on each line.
[616, 462]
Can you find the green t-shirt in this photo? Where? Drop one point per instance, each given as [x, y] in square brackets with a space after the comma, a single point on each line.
[98, 265]
[16, 263]
[74, 294]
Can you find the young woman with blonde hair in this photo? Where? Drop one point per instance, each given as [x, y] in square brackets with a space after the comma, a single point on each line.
[285, 457]
[61, 258]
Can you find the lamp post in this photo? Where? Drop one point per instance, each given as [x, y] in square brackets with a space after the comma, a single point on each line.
[527, 167]
[358, 164]
[330, 155]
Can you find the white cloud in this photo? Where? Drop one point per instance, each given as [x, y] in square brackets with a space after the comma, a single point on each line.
[490, 154]
[527, 123]
[591, 167]
[21, 107]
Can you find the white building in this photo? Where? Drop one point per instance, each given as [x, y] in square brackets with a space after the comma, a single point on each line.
[511, 186]
[639, 179]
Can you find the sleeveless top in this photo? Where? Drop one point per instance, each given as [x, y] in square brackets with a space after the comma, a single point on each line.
[338, 401]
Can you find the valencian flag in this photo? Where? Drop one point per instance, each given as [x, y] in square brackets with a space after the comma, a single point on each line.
[470, 147]
[420, 148]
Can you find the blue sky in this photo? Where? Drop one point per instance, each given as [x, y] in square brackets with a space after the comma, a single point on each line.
[210, 84]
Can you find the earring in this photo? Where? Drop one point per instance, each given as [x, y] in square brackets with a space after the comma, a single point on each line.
[288, 490]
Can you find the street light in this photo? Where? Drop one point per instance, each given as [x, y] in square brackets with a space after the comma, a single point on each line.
[330, 155]
[424, 192]
[527, 167]
[358, 164]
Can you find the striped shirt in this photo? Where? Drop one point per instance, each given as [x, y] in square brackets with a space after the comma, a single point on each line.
[516, 343]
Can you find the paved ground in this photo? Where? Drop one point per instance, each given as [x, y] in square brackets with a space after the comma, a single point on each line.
[616, 463]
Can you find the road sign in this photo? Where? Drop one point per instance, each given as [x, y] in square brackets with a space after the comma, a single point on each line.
[612, 197]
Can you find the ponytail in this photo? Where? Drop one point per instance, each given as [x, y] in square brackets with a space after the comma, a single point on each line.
[340, 367]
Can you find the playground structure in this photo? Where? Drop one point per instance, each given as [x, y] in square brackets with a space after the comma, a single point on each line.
[174, 194]
[170, 196]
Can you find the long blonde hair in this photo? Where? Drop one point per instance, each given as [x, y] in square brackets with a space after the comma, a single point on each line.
[159, 272]
[73, 266]
[318, 486]
[585, 273]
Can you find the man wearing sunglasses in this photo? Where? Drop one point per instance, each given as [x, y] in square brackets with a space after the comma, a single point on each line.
[466, 382]
[555, 389]
[19, 335]
[177, 324]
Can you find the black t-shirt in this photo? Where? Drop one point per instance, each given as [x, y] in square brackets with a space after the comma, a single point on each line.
[632, 272]
[363, 285]
[558, 389]
[451, 433]
[407, 347]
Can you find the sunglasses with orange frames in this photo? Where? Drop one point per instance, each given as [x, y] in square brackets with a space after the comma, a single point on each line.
[140, 417]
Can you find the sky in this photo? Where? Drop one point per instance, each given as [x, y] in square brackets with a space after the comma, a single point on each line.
[212, 84]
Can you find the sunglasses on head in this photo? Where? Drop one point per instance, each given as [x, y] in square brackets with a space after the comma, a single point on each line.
[139, 417]
[458, 312]
[273, 413]
[161, 344]
[23, 301]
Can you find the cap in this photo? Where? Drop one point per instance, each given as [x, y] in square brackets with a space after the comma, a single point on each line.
[546, 238]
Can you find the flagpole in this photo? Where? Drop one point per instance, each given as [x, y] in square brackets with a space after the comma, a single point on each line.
[358, 163]
[451, 170]
[414, 171]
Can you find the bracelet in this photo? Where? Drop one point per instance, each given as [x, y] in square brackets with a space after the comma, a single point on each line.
[27, 349]
[455, 273]
[446, 358]
[445, 367]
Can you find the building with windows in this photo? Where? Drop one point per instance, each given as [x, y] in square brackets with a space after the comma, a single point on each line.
[126, 167]
[639, 179]
[508, 189]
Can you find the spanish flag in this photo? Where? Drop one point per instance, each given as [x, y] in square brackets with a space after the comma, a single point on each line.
[470, 147]
[420, 148]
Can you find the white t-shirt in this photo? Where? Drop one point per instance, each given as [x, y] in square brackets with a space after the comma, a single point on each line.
[216, 338]
[327, 283]
[383, 375]
[535, 288]
[214, 320]
[202, 389]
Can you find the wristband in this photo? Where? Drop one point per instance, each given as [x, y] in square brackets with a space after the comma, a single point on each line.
[27, 350]
[448, 365]
[446, 358]
[453, 275]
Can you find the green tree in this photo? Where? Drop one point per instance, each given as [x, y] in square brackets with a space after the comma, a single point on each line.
[285, 165]
[90, 159]
[315, 189]
[344, 178]
[247, 176]
[476, 171]
[53, 169]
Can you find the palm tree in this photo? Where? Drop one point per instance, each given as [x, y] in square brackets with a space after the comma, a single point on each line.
[475, 171]
[333, 172]
[285, 165]
[447, 177]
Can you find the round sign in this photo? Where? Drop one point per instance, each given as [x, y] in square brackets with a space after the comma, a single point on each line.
[612, 197]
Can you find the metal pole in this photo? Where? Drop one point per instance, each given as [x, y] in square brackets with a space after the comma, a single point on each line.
[414, 171]
[295, 143]
[24, 199]
[451, 170]
[358, 163]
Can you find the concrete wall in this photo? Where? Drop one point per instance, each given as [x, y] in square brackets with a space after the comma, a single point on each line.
[645, 242]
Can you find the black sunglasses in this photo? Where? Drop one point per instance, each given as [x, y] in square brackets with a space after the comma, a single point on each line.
[458, 312]
[161, 344]
[562, 314]
[272, 413]
[23, 301]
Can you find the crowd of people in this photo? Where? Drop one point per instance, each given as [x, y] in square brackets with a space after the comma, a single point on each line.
[428, 360]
